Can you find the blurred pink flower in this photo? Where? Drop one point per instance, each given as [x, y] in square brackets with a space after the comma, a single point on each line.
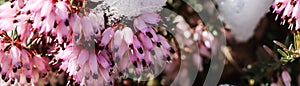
[286, 78]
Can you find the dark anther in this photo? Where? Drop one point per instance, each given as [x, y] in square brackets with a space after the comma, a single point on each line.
[292, 20]
[101, 47]
[18, 13]
[158, 44]
[172, 50]
[279, 4]
[110, 70]
[28, 12]
[112, 64]
[293, 2]
[15, 69]
[110, 83]
[5, 80]
[67, 22]
[54, 69]
[28, 79]
[15, 21]
[60, 71]
[30, 21]
[76, 37]
[152, 52]
[135, 64]
[43, 18]
[140, 50]
[169, 58]
[19, 65]
[27, 68]
[44, 74]
[3, 76]
[77, 84]
[120, 74]
[116, 49]
[11, 1]
[149, 34]
[131, 46]
[59, 60]
[144, 63]
[55, 24]
[12, 6]
[12, 81]
[95, 76]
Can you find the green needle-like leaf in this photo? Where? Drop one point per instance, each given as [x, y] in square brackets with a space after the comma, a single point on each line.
[282, 53]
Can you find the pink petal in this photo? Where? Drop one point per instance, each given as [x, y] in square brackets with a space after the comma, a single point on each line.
[288, 10]
[6, 64]
[148, 57]
[25, 59]
[20, 4]
[75, 23]
[87, 28]
[49, 22]
[106, 36]
[105, 74]
[35, 5]
[93, 65]
[46, 9]
[152, 18]
[35, 76]
[146, 41]
[284, 3]
[61, 10]
[83, 57]
[101, 60]
[296, 10]
[64, 66]
[139, 50]
[122, 50]
[164, 42]
[118, 38]
[151, 34]
[72, 66]
[94, 20]
[286, 78]
[15, 52]
[158, 52]
[139, 24]
[124, 61]
[39, 62]
[133, 57]
[128, 35]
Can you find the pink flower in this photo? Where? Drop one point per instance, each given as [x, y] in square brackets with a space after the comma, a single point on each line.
[83, 46]
[81, 63]
[289, 10]
[44, 16]
[286, 78]
[18, 63]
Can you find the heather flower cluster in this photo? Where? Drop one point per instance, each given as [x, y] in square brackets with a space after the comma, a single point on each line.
[189, 37]
[38, 36]
[289, 9]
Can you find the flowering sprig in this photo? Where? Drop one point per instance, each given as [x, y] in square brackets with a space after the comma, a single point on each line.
[76, 40]
[289, 9]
